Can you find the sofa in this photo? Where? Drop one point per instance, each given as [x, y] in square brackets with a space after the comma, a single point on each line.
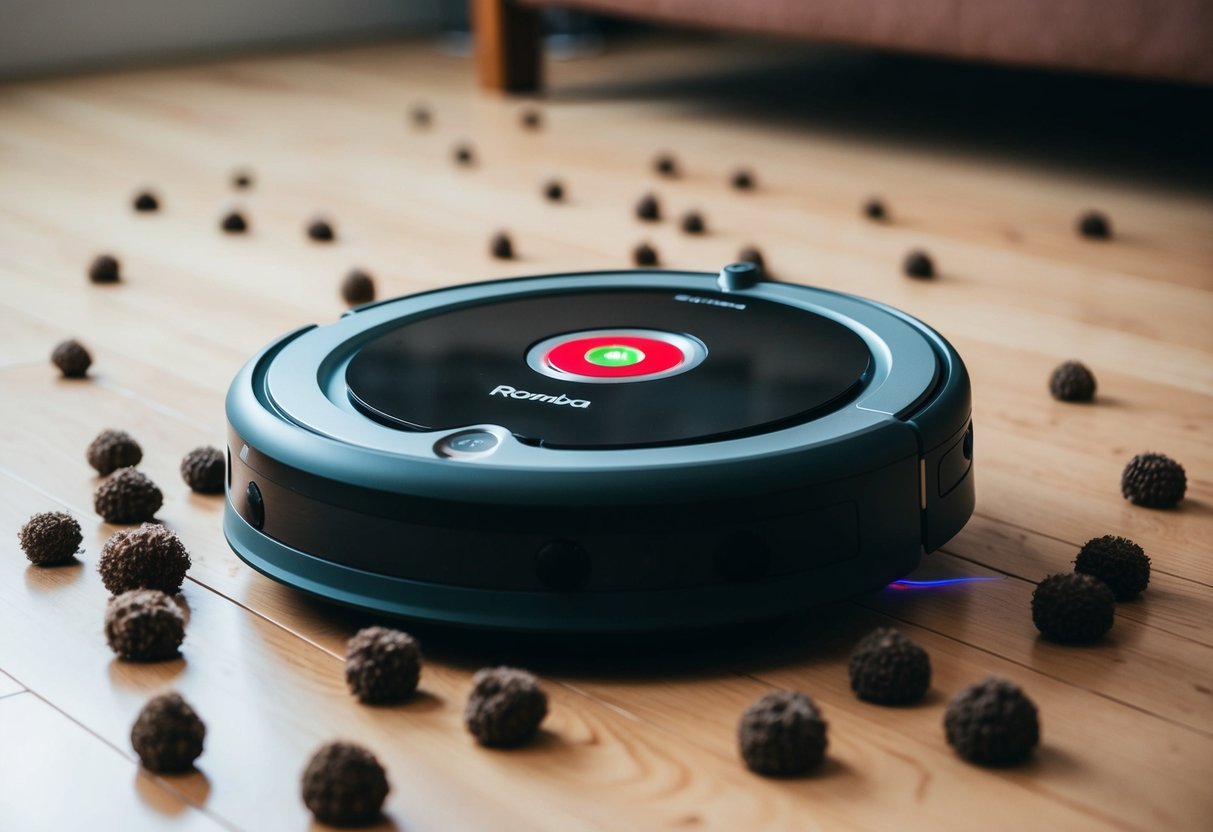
[1169, 40]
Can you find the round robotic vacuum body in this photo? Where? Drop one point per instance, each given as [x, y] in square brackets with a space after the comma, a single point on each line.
[604, 452]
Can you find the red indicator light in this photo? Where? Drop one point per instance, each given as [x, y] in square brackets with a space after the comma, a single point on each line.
[614, 356]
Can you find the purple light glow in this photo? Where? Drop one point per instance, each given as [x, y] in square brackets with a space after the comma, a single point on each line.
[907, 584]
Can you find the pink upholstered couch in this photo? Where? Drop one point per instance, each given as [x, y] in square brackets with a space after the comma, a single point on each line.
[1160, 39]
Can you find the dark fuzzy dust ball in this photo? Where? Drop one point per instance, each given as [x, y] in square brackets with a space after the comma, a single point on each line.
[50, 538]
[146, 202]
[71, 358]
[1094, 225]
[1153, 480]
[321, 231]
[127, 496]
[501, 246]
[666, 165]
[149, 557]
[531, 119]
[742, 180]
[888, 668]
[1072, 382]
[344, 785]
[644, 255]
[242, 180]
[1118, 562]
[693, 223]
[111, 450]
[463, 154]
[505, 707]
[919, 264]
[782, 734]
[553, 191]
[105, 268]
[382, 665]
[358, 288]
[144, 625]
[203, 470]
[648, 208]
[233, 223]
[421, 116]
[874, 209]
[168, 735]
[992, 723]
[1072, 608]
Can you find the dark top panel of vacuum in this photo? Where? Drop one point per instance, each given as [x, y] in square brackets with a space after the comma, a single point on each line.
[615, 368]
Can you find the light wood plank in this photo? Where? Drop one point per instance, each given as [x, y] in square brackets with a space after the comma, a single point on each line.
[57, 775]
[1078, 765]
[1172, 603]
[1142, 666]
[9, 685]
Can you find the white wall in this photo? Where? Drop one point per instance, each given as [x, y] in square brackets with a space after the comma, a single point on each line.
[54, 35]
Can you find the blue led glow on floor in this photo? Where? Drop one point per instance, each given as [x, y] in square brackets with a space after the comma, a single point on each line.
[908, 584]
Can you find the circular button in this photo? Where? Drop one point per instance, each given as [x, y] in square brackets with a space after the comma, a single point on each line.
[603, 355]
[468, 443]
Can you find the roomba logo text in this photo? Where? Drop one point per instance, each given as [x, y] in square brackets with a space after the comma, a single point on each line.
[506, 391]
[728, 304]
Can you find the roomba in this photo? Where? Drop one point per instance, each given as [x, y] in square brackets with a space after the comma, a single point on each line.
[608, 451]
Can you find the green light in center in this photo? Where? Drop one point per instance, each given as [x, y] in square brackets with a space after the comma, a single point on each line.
[614, 355]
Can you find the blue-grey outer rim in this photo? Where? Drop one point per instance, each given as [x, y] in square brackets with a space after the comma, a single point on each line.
[322, 434]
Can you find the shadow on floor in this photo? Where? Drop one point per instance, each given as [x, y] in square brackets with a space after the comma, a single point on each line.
[1157, 132]
[823, 635]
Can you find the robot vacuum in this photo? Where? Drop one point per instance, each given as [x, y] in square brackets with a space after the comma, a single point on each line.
[629, 451]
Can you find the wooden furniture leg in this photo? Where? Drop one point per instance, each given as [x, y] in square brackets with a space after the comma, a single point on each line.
[509, 52]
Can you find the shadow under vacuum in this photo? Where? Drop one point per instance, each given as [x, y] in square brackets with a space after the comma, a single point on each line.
[1157, 132]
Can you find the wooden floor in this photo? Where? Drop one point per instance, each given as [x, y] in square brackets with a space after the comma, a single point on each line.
[633, 741]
